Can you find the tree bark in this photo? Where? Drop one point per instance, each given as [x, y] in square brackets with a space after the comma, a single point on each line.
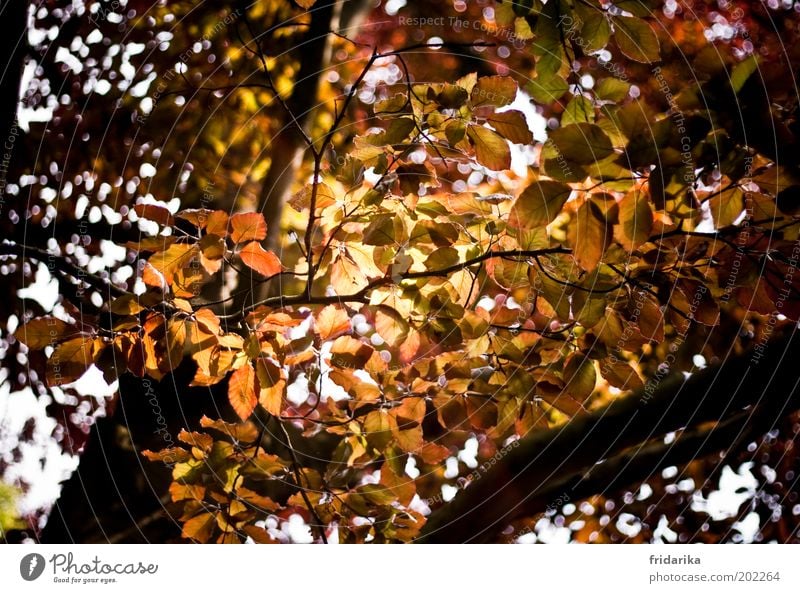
[532, 473]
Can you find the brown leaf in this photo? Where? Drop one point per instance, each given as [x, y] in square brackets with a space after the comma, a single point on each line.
[512, 126]
[635, 221]
[70, 360]
[42, 332]
[348, 352]
[155, 213]
[589, 234]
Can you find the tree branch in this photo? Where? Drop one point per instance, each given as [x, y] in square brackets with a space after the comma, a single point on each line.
[513, 486]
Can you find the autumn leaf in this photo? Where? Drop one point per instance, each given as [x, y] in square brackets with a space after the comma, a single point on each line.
[242, 391]
[249, 226]
[259, 259]
[538, 204]
[491, 149]
[636, 39]
[41, 332]
[348, 352]
[391, 326]
[589, 234]
[70, 360]
[155, 213]
[199, 527]
[494, 90]
[582, 143]
[271, 385]
[332, 322]
[635, 220]
[620, 374]
[512, 126]
[168, 262]
[579, 376]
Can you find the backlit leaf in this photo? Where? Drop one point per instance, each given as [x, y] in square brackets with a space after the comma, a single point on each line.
[259, 259]
[242, 391]
[491, 149]
[539, 204]
[249, 226]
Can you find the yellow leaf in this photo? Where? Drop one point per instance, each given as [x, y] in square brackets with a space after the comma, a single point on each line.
[350, 353]
[390, 325]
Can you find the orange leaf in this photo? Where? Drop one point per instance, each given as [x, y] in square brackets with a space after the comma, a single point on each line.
[170, 261]
[249, 226]
[259, 259]
[332, 322]
[209, 320]
[242, 391]
[199, 528]
[348, 352]
[217, 223]
[271, 386]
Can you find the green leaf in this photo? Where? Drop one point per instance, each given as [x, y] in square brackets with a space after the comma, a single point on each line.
[582, 143]
[538, 204]
[636, 39]
[612, 89]
[547, 89]
[579, 110]
[742, 71]
[641, 8]
[595, 30]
